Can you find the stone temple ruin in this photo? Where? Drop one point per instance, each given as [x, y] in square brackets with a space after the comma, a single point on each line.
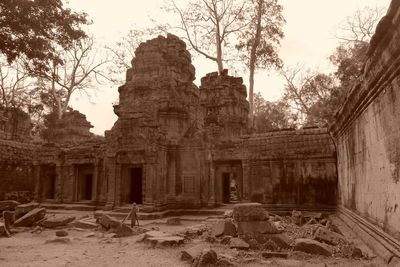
[176, 145]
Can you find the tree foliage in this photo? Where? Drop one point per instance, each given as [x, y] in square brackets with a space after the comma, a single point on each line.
[79, 68]
[30, 28]
[259, 40]
[209, 26]
[270, 116]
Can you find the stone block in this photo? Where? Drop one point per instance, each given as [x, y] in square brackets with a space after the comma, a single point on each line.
[174, 221]
[107, 222]
[84, 224]
[23, 209]
[238, 243]
[312, 247]
[31, 217]
[326, 236]
[193, 252]
[8, 218]
[271, 254]
[122, 231]
[208, 257]
[246, 212]
[257, 227]
[281, 240]
[8, 205]
[61, 233]
[56, 221]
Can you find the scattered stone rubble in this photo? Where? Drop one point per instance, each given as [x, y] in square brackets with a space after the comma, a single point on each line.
[247, 234]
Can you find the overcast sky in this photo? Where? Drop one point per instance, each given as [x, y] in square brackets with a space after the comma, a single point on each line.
[309, 39]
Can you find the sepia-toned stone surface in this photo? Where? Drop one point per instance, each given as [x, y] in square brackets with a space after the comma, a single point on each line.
[367, 132]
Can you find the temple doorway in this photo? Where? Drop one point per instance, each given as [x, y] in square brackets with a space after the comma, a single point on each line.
[48, 181]
[84, 182]
[136, 184]
[226, 192]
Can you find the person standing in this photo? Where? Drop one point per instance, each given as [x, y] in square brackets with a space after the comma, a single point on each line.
[133, 214]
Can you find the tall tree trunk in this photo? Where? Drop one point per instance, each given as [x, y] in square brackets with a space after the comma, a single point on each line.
[253, 59]
[219, 48]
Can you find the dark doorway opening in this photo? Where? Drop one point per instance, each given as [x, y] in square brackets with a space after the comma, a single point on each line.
[86, 189]
[226, 192]
[48, 181]
[136, 185]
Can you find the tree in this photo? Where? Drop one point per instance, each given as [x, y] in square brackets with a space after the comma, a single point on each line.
[270, 116]
[123, 51]
[30, 28]
[260, 39]
[360, 26]
[79, 66]
[209, 25]
[314, 95]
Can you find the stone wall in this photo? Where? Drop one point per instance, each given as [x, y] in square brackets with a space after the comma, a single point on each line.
[291, 167]
[367, 132]
[15, 125]
[16, 170]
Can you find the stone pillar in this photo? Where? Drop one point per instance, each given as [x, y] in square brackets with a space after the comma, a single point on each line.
[212, 199]
[95, 181]
[246, 180]
[36, 177]
[110, 178]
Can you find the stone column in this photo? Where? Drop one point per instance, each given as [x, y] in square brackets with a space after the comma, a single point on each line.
[58, 193]
[110, 179]
[95, 181]
[246, 176]
[212, 199]
[36, 177]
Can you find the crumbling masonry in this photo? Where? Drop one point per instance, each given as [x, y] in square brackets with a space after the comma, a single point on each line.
[177, 145]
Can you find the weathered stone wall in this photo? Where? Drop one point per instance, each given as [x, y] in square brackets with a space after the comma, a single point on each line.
[16, 170]
[367, 132]
[291, 167]
[72, 128]
[15, 125]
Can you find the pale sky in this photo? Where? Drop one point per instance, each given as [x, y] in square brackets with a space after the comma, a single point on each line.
[309, 39]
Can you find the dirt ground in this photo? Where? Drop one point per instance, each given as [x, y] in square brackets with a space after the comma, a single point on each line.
[31, 249]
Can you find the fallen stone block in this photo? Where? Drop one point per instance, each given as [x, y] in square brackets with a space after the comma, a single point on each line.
[61, 233]
[8, 218]
[31, 217]
[107, 222]
[165, 241]
[357, 253]
[59, 240]
[83, 224]
[122, 231]
[324, 235]
[297, 217]
[312, 247]
[23, 209]
[238, 243]
[89, 234]
[281, 240]
[254, 227]
[193, 252]
[174, 221]
[4, 230]
[57, 221]
[246, 212]
[8, 205]
[208, 257]
[270, 254]
[218, 229]
[226, 240]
